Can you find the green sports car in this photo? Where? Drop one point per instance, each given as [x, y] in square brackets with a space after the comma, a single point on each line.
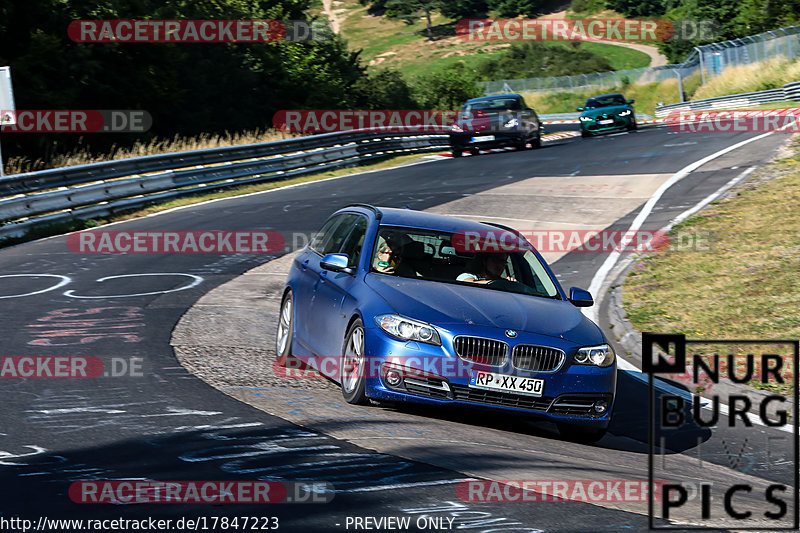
[607, 112]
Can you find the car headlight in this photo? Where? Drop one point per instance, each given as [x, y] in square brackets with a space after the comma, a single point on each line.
[585, 119]
[601, 356]
[513, 123]
[407, 329]
[625, 113]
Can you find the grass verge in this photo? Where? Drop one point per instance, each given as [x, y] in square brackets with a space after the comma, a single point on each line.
[746, 284]
[770, 74]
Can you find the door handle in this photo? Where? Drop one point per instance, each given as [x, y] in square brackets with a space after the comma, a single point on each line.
[323, 275]
[304, 264]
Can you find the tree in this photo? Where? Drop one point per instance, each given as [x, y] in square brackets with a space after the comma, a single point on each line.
[411, 10]
[187, 88]
[513, 8]
[460, 9]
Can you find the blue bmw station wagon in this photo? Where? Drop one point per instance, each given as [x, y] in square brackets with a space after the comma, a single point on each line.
[403, 305]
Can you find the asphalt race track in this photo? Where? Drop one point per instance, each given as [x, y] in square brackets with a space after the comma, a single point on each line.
[166, 424]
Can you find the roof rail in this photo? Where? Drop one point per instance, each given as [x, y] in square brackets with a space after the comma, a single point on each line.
[378, 213]
[501, 226]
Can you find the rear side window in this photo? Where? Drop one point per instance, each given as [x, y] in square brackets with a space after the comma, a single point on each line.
[330, 238]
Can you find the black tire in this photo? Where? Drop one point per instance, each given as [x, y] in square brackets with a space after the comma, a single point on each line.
[585, 134]
[457, 152]
[474, 151]
[633, 126]
[353, 378]
[536, 142]
[283, 337]
[580, 433]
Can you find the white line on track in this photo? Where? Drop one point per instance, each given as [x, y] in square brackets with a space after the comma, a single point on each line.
[602, 273]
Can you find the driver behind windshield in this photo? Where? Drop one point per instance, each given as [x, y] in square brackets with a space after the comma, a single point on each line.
[491, 268]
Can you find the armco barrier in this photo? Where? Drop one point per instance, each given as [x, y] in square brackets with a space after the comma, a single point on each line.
[102, 189]
[790, 91]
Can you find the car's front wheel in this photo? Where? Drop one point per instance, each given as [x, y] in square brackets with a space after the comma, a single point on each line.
[536, 142]
[353, 366]
[580, 433]
[283, 337]
[585, 134]
[456, 151]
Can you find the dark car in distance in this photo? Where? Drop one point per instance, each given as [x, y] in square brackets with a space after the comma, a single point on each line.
[494, 122]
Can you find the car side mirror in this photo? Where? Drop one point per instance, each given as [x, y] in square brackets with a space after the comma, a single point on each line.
[580, 298]
[336, 263]
[578, 109]
[630, 102]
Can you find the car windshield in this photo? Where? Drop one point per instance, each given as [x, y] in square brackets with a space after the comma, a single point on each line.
[605, 101]
[493, 104]
[480, 259]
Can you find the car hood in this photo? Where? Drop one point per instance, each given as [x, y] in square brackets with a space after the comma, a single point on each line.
[445, 303]
[610, 110]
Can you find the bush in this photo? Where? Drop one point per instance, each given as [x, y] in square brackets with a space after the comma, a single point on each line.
[536, 60]
[446, 89]
[588, 7]
[385, 89]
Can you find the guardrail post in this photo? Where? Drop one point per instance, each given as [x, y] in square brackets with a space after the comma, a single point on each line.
[680, 84]
[789, 44]
[702, 68]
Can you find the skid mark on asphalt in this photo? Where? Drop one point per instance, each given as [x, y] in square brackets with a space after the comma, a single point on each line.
[222, 443]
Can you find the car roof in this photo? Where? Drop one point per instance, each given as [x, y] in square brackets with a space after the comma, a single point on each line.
[492, 97]
[391, 216]
[602, 95]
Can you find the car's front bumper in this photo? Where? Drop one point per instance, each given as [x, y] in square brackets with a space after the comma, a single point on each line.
[620, 123]
[440, 377]
[467, 140]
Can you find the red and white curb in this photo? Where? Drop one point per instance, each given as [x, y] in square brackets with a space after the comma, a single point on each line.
[654, 121]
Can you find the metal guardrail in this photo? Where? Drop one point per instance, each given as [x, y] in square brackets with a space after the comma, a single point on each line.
[102, 189]
[790, 91]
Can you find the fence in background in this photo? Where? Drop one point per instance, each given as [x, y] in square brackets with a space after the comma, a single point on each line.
[709, 60]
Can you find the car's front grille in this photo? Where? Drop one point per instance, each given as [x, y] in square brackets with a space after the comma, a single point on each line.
[537, 358]
[482, 351]
[578, 405]
[488, 397]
